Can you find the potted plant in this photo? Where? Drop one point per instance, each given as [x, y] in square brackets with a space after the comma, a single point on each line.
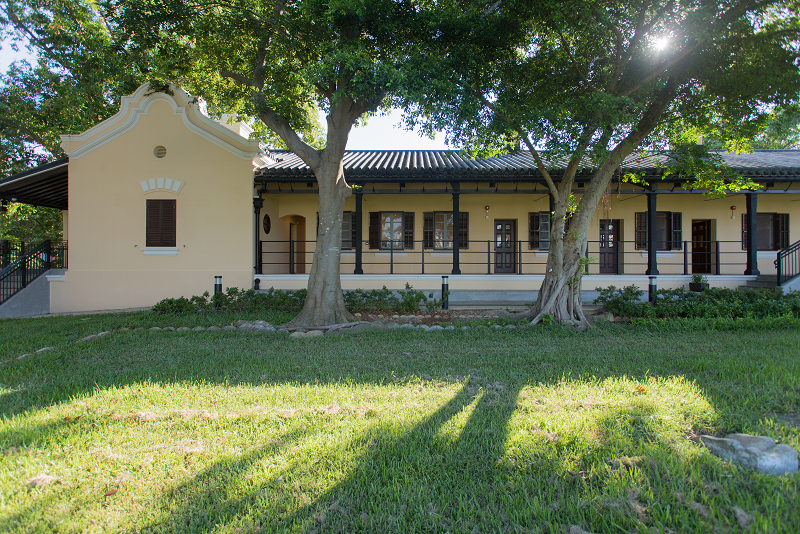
[699, 283]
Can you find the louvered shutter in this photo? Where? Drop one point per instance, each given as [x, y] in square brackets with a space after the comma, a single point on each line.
[533, 230]
[640, 232]
[463, 230]
[427, 229]
[161, 223]
[782, 230]
[354, 220]
[408, 230]
[374, 230]
[677, 231]
[744, 231]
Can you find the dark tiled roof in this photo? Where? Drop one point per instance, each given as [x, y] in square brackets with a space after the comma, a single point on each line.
[388, 165]
[45, 185]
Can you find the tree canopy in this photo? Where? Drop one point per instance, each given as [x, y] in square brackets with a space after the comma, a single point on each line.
[593, 82]
[280, 61]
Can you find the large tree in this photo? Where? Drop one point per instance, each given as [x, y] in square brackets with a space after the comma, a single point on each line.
[275, 60]
[73, 79]
[586, 83]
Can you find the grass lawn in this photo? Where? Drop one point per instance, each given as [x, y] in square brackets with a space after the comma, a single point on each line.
[529, 430]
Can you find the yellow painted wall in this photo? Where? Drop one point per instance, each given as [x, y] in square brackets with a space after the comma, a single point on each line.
[214, 234]
[516, 207]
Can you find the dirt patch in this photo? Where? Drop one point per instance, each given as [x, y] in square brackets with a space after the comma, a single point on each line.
[442, 316]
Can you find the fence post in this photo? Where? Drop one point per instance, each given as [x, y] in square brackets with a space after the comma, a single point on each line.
[718, 258]
[48, 250]
[617, 253]
[686, 257]
[488, 257]
[586, 268]
[23, 264]
[519, 256]
[291, 256]
[391, 256]
[422, 252]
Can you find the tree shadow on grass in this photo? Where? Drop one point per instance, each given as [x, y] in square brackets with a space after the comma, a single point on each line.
[205, 496]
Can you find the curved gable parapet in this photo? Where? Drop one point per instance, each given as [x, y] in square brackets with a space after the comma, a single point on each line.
[138, 104]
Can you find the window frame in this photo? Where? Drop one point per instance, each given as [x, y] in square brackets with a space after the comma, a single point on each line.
[161, 223]
[673, 227]
[779, 231]
[535, 220]
[406, 231]
[429, 230]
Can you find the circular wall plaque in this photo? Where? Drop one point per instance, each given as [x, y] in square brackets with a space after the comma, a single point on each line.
[267, 224]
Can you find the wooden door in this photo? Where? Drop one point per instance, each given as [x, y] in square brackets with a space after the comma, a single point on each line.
[701, 247]
[505, 243]
[609, 243]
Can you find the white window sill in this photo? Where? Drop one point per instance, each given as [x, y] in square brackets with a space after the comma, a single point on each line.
[347, 254]
[542, 254]
[160, 251]
[443, 254]
[387, 254]
[661, 254]
[771, 254]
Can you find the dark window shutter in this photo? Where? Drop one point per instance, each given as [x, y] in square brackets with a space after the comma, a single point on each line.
[782, 226]
[161, 223]
[744, 231]
[533, 231]
[374, 230]
[641, 230]
[408, 229]
[463, 230]
[427, 229]
[677, 231]
[353, 221]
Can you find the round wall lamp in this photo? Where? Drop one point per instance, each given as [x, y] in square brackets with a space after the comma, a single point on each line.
[487, 211]
[733, 209]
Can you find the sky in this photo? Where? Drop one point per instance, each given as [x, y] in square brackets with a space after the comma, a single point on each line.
[380, 132]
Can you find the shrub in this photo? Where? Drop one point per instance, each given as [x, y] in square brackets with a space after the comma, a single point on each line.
[712, 303]
[233, 299]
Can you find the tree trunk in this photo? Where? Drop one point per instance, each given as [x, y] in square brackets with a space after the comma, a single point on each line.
[324, 303]
[560, 294]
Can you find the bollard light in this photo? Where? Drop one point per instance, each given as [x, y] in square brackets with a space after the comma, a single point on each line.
[653, 289]
[217, 284]
[445, 296]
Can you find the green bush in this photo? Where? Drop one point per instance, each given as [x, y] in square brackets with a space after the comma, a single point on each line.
[712, 303]
[408, 300]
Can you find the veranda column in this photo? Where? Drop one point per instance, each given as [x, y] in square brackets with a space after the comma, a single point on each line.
[456, 229]
[752, 234]
[258, 203]
[652, 230]
[357, 222]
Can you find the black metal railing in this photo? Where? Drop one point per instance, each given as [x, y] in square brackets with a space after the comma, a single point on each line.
[30, 264]
[481, 257]
[788, 263]
[10, 251]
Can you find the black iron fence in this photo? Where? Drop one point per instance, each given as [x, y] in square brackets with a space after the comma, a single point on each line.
[512, 257]
[788, 263]
[30, 262]
[10, 251]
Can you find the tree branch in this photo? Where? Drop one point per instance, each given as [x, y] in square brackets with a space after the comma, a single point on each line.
[574, 63]
[33, 136]
[237, 77]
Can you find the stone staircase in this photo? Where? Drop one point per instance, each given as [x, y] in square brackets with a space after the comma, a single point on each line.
[763, 281]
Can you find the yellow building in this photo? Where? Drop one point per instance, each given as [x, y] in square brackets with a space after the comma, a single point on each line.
[159, 199]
